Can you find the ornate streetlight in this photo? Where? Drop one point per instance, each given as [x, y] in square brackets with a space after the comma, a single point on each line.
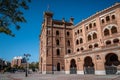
[26, 56]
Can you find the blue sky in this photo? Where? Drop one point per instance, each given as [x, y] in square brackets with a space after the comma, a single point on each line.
[27, 38]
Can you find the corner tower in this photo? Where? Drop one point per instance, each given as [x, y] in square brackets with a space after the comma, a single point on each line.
[55, 42]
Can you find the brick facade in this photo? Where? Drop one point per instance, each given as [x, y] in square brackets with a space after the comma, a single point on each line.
[90, 47]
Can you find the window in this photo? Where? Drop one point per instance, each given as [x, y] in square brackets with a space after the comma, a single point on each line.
[78, 31]
[106, 32]
[57, 32]
[94, 35]
[68, 43]
[81, 40]
[98, 57]
[103, 21]
[77, 42]
[90, 46]
[90, 25]
[95, 45]
[116, 41]
[48, 32]
[94, 24]
[89, 37]
[87, 28]
[69, 51]
[75, 33]
[108, 42]
[113, 17]
[107, 18]
[78, 50]
[68, 33]
[81, 48]
[113, 30]
[57, 42]
[58, 52]
[48, 21]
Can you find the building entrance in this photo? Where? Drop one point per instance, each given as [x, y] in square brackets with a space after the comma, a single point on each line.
[58, 66]
[111, 63]
[88, 66]
[73, 67]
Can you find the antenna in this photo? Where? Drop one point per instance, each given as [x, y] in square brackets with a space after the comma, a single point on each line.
[48, 7]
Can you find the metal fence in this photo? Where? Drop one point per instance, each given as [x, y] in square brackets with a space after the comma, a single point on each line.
[73, 70]
[111, 69]
[89, 70]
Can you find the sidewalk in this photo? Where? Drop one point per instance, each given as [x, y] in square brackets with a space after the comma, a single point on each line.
[37, 76]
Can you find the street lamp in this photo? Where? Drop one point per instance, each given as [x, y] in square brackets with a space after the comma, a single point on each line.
[26, 56]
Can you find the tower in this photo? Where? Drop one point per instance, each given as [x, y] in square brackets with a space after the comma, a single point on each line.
[55, 36]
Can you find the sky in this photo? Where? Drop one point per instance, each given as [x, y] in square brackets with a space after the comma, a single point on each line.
[27, 38]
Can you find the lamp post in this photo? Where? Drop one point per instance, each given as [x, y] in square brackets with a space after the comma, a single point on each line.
[26, 56]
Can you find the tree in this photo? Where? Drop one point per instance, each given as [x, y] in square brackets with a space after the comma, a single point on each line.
[11, 14]
[33, 65]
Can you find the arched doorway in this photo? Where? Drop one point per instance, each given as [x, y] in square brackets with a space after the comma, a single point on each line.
[73, 67]
[111, 63]
[88, 66]
[58, 66]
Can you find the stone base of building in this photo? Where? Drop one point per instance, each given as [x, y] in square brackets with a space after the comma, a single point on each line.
[67, 72]
[100, 72]
[80, 72]
[53, 72]
[118, 72]
[59, 72]
[43, 72]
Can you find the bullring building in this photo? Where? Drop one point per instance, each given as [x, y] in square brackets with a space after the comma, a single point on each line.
[90, 47]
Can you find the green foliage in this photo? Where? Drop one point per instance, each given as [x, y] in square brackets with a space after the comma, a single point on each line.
[33, 65]
[11, 14]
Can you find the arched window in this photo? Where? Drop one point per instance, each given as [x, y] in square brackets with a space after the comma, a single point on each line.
[68, 43]
[94, 24]
[90, 46]
[103, 21]
[78, 50]
[58, 66]
[87, 28]
[68, 33]
[58, 52]
[89, 37]
[113, 17]
[57, 33]
[81, 48]
[81, 40]
[107, 18]
[90, 25]
[94, 35]
[77, 42]
[75, 33]
[69, 51]
[78, 31]
[116, 41]
[106, 32]
[48, 32]
[57, 42]
[108, 42]
[95, 45]
[113, 30]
